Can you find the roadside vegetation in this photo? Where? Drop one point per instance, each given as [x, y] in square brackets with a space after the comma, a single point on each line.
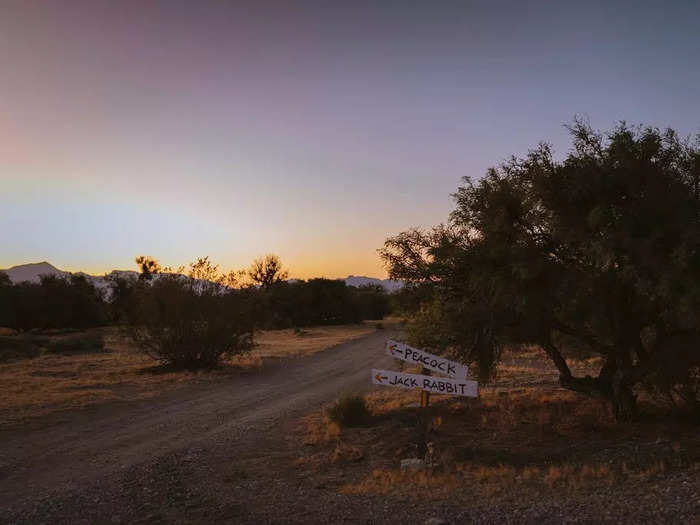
[571, 289]
[597, 254]
[186, 318]
[523, 438]
[65, 343]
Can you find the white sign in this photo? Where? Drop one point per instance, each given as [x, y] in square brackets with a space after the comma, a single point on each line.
[434, 385]
[433, 362]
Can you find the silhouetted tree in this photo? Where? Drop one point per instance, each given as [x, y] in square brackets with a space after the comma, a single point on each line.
[7, 301]
[124, 295]
[372, 300]
[202, 268]
[148, 265]
[267, 271]
[600, 251]
[54, 302]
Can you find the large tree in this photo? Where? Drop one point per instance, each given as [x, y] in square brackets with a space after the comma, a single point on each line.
[599, 251]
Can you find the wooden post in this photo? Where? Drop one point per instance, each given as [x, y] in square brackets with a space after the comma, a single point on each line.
[425, 396]
[423, 418]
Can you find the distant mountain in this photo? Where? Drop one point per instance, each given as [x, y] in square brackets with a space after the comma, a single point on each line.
[32, 271]
[388, 284]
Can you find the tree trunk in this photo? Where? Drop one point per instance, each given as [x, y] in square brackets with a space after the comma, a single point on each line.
[611, 384]
[624, 402]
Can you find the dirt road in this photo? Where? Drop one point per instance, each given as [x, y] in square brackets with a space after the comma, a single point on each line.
[156, 460]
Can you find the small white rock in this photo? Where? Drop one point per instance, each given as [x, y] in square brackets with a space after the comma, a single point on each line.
[414, 464]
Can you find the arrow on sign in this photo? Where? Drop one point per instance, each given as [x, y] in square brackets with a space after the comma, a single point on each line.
[432, 362]
[379, 378]
[435, 385]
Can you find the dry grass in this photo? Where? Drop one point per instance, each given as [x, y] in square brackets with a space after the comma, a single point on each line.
[320, 429]
[36, 387]
[405, 483]
[276, 344]
[495, 480]
[523, 437]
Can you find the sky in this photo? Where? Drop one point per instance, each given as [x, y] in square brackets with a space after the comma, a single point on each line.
[312, 130]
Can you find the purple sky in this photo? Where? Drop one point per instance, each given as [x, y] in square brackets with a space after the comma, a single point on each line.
[311, 130]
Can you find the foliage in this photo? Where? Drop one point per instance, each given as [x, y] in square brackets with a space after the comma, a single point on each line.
[349, 411]
[77, 344]
[319, 302]
[421, 330]
[601, 250]
[148, 266]
[189, 324]
[408, 299]
[175, 314]
[30, 345]
[125, 291]
[372, 300]
[267, 271]
[20, 347]
[203, 269]
[7, 303]
[54, 302]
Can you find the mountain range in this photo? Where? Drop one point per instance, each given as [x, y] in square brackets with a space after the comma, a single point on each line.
[32, 271]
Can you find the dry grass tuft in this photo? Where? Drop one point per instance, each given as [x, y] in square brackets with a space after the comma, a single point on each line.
[498, 479]
[395, 481]
[344, 453]
[320, 429]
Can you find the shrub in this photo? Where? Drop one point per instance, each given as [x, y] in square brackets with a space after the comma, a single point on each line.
[190, 324]
[349, 411]
[77, 344]
[19, 347]
[54, 302]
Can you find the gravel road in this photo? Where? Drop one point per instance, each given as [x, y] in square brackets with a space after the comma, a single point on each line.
[86, 465]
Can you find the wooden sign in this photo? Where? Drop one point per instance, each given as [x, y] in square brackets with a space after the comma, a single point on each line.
[432, 384]
[432, 362]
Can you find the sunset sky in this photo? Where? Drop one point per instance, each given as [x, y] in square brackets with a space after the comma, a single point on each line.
[312, 130]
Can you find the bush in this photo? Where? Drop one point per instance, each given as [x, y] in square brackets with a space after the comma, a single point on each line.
[20, 347]
[77, 344]
[349, 411]
[190, 324]
[53, 303]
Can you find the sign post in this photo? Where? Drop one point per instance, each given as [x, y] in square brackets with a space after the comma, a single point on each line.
[456, 382]
[425, 395]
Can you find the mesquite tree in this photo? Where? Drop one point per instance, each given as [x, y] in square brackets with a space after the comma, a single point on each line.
[599, 251]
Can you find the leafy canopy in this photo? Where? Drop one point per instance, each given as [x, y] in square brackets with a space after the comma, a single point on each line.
[599, 252]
